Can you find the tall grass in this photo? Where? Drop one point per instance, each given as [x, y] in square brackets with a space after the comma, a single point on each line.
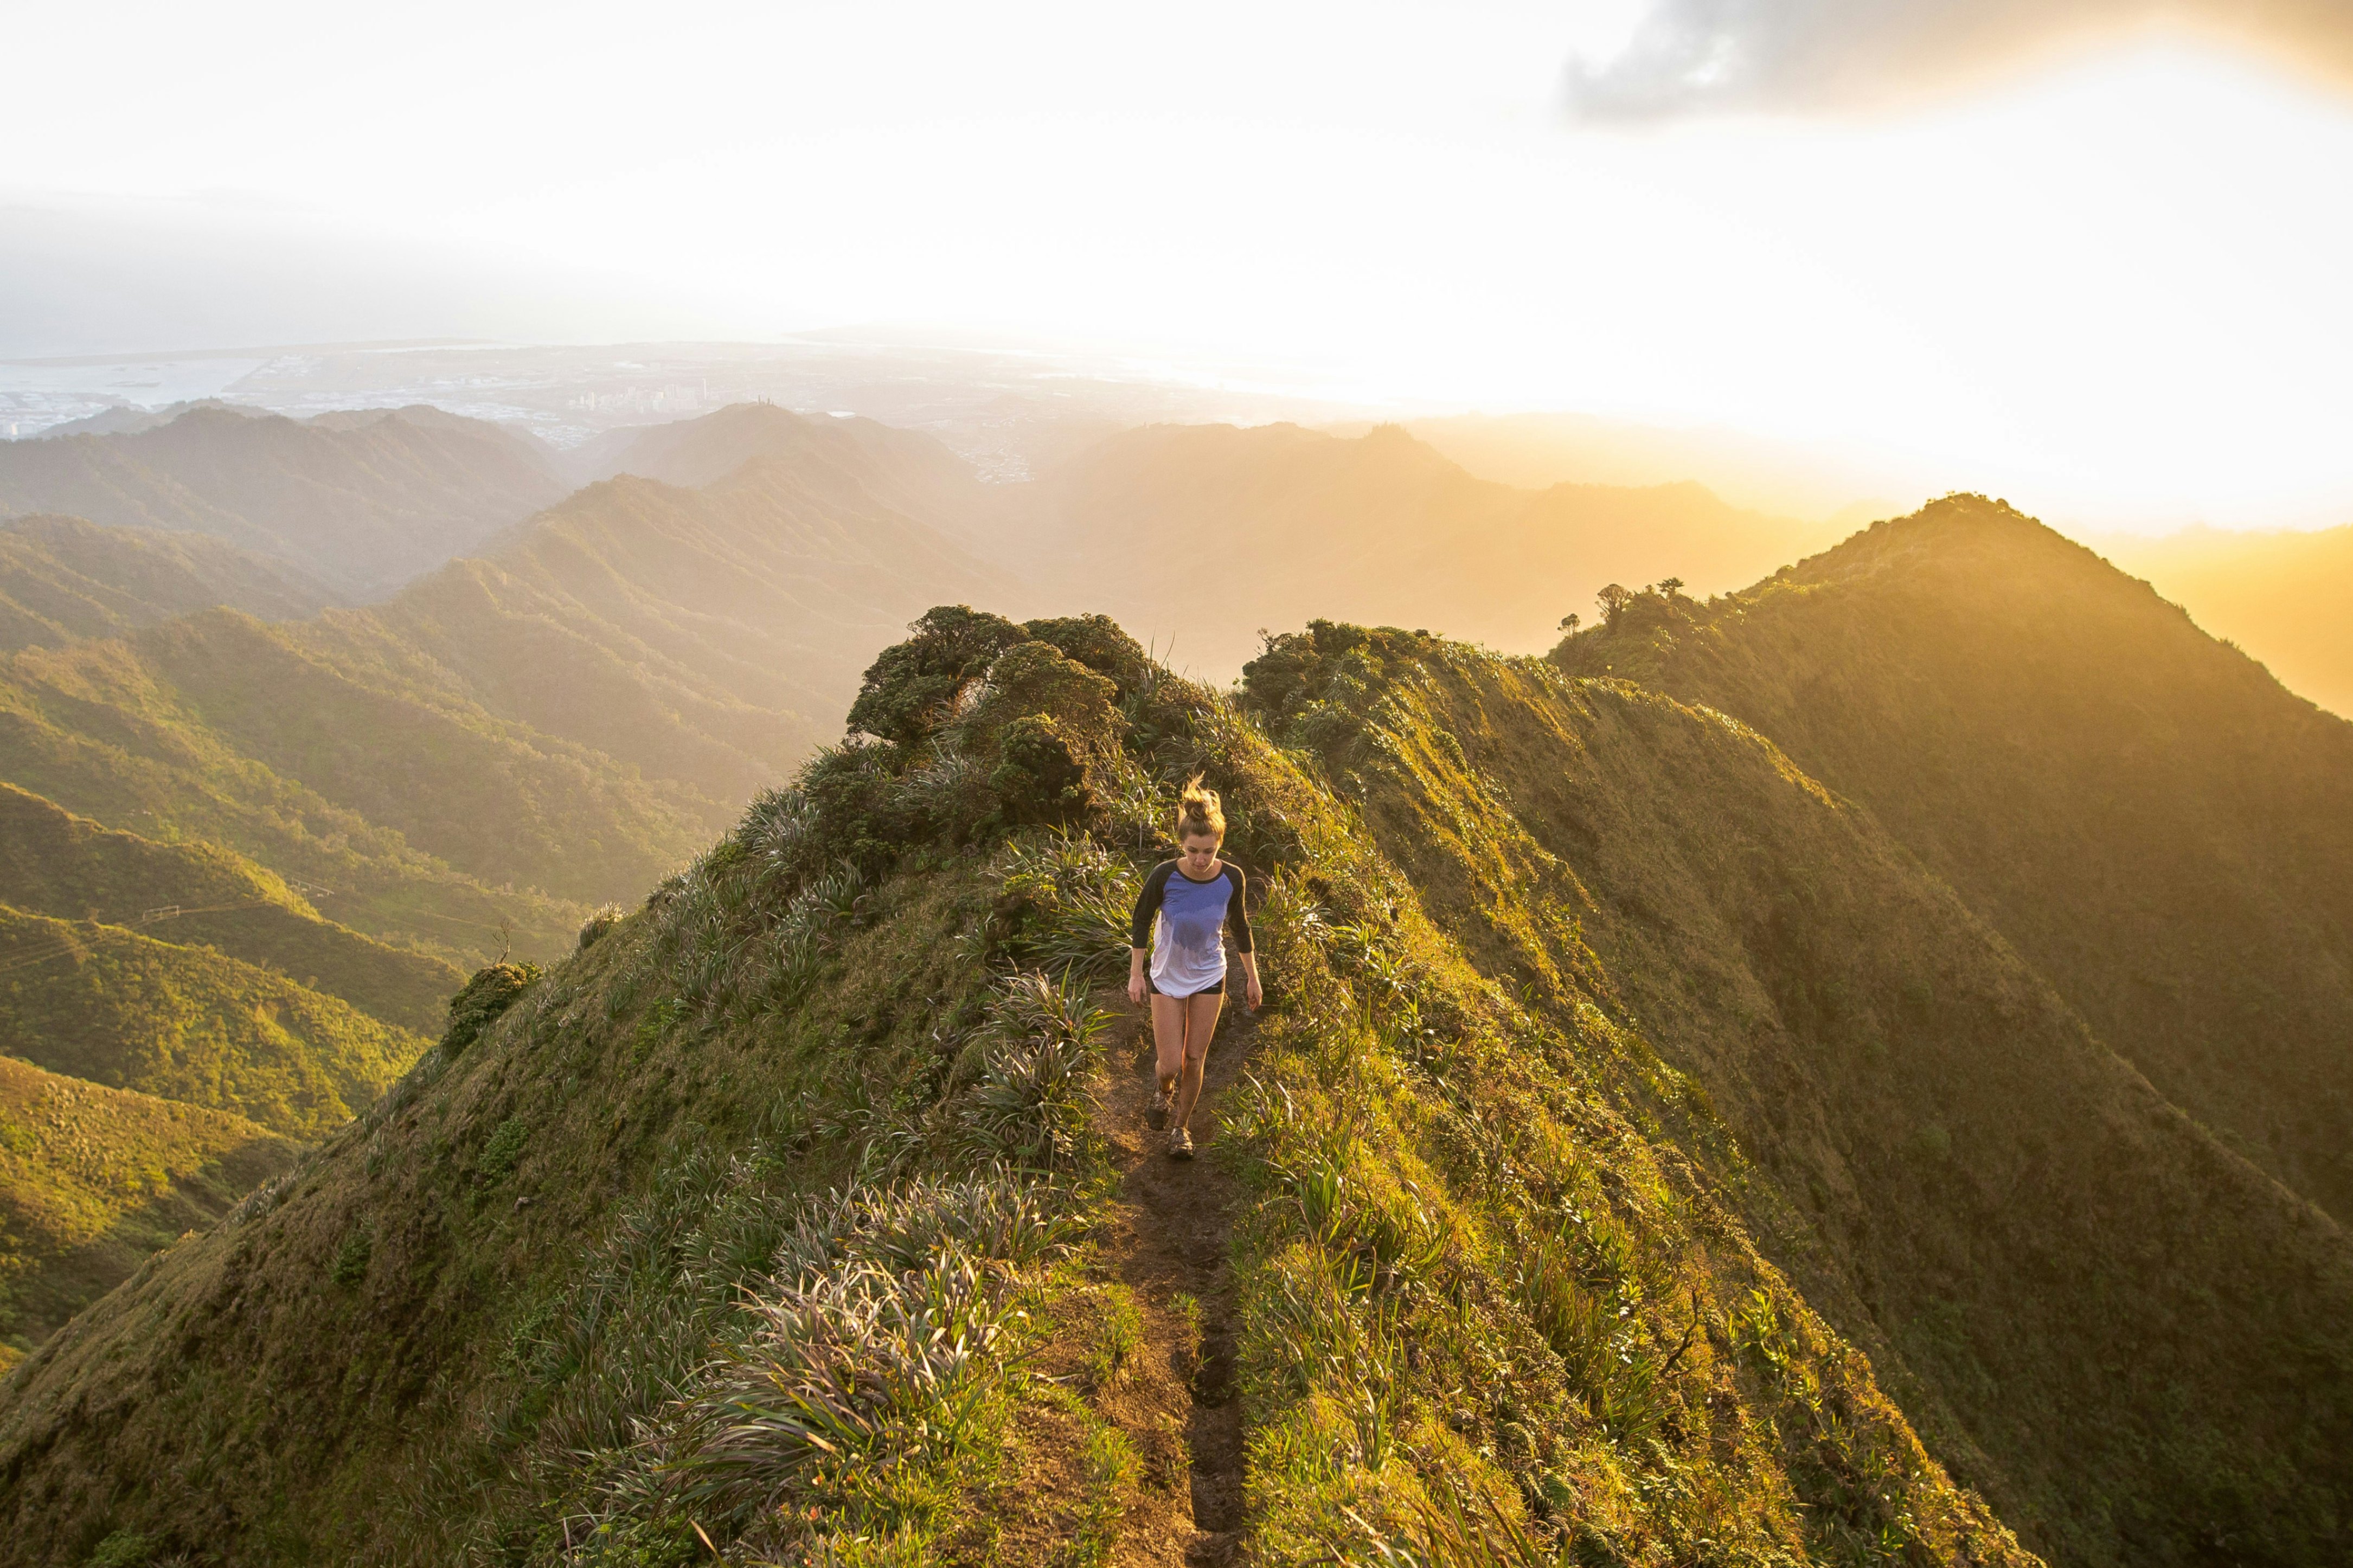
[1029, 1104]
[1074, 898]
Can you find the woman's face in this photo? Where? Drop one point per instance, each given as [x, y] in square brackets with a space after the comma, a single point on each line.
[1201, 853]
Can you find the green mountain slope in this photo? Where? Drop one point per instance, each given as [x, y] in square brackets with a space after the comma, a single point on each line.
[55, 863]
[111, 1006]
[2092, 1310]
[688, 634]
[1195, 536]
[470, 1296]
[100, 729]
[93, 1181]
[364, 501]
[61, 578]
[500, 802]
[567, 717]
[1599, 1172]
[2143, 812]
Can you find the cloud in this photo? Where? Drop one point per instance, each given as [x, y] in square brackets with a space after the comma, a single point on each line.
[1700, 56]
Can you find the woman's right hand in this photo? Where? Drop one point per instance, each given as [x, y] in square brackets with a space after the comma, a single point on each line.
[1135, 989]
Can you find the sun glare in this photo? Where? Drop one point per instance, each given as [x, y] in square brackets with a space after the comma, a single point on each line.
[2112, 289]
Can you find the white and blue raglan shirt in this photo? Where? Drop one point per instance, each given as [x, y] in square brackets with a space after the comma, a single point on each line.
[1189, 955]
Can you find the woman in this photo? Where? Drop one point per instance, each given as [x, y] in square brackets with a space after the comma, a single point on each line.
[1196, 897]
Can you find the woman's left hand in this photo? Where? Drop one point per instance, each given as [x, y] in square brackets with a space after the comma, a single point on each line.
[1254, 994]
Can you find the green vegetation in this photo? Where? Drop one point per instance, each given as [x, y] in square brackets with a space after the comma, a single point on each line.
[2155, 824]
[1588, 1209]
[62, 578]
[860, 1111]
[365, 501]
[97, 728]
[195, 894]
[508, 739]
[113, 1008]
[93, 1181]
[2119, 1349]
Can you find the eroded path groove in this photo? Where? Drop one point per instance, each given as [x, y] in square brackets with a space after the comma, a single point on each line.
[1168, 1242]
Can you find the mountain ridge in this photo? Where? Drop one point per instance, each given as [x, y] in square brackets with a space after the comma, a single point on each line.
[63, 578]
[1629, 1107]
[2145, 812]
[95, 1181]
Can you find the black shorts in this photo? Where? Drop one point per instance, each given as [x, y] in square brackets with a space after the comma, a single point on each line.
[1216, 988]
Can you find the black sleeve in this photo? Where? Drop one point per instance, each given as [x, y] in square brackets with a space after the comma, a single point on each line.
[1236, 916]
[1147, 904]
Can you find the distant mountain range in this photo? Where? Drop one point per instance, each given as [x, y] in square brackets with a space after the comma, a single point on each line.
[362, 501]
[461, 770]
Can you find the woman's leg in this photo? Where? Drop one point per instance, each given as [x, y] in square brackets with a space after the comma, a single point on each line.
[1200, 1022]
[1168, 1036]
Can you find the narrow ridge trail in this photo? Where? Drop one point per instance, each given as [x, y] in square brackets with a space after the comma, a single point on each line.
[1167, 1242]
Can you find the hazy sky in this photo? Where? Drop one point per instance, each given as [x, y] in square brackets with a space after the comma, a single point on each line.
[2090, 257]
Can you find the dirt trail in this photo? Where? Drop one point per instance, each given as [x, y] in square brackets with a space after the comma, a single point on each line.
[1169, 1240]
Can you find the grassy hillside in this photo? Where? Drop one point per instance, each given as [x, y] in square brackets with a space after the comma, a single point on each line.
[514, 738]
[93, 1181]
[61, 578]
[1195, 536]
[114, 1008]
[688, 634]
[2093, 1311]
[364, 501]
[55, 863]
[497, 801]
[2281, 596]
[1550, 1216]
[2143, 812]
[100, 728]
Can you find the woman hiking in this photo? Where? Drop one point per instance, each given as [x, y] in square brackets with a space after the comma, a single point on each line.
[1196, 897]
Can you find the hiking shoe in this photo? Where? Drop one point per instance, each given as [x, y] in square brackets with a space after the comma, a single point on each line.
[1155, 1110]
[1180, 1144]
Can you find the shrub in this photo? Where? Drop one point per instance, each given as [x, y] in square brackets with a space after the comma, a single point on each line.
[350, 1264]
[914, 686]
[123, 1548]
[478, 1002]
[1037, 778]
[503, 1148]
[598, 925]
[1099, 643]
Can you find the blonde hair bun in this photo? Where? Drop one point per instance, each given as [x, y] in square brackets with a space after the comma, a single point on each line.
[1198, 811]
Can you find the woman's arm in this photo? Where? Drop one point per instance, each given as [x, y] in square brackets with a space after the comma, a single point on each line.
[1245, 948]
[1139, 926]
